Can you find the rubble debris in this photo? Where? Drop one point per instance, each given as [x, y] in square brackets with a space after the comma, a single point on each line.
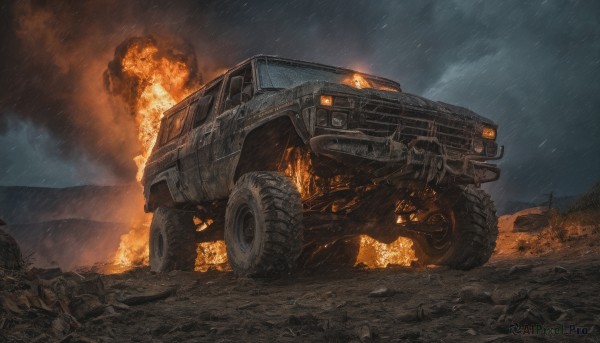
[364, 333]
[520, 269]
[382, 292]
[146, 298]
[471, 332]
[559, 269]
[247, 306]
[48, 305]
[474, 293]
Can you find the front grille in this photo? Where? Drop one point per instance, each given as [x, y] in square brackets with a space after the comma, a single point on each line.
[380, 118]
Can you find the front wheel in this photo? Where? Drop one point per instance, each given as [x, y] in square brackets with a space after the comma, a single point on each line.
[263, 225]
[469, 235]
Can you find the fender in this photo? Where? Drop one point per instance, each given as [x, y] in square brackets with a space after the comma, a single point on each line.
[287, 117]
[171, 178]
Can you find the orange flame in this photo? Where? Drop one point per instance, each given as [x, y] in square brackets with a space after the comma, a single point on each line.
[357, 81]
[360, 82]
[212, 255]
[374, 254]
[133, 249]
[163, 84]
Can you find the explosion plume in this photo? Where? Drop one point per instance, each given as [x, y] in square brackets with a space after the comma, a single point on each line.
[150, 76]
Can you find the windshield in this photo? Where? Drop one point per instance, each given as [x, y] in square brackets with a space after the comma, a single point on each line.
[282, 74]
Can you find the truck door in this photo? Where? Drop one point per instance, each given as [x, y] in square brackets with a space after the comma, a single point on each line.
[195, 159]
[229, 125]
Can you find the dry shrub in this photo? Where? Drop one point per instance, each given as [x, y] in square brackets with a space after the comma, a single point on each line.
[557, 226]
[523, 245]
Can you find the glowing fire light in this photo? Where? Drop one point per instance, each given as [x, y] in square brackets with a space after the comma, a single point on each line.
[374, 254]
[211, 255]
[357, 81]
[162, 83]
[133, 249]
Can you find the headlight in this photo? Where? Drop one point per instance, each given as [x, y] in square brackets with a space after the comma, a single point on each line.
[326, 100]
[322, 118]
[488, 133]
[339, 120]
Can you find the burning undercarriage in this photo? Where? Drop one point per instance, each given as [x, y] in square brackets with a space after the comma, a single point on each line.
[282, 158]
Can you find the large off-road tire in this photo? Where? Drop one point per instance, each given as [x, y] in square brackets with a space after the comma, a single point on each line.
[470, 238]
[10, 253]
[263, 225]
[172, 240]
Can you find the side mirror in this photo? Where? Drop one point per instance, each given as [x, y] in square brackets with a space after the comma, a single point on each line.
[235, 87]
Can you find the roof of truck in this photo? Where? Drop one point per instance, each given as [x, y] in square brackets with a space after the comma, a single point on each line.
[275, 57]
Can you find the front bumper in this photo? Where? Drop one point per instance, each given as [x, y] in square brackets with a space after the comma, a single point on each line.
[424, 158]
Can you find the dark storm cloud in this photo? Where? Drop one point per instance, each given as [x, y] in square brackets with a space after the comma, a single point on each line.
[533, 66]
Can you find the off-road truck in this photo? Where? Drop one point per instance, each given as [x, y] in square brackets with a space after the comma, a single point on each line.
[281, 157]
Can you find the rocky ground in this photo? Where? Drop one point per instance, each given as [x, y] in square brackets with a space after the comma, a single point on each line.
[540, 285]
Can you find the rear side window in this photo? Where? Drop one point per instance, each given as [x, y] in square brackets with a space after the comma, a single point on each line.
[202, 109]
[172, 126]
[176, 124]
[206, 104]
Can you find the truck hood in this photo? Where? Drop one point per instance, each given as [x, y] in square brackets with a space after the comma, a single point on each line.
[404, 99]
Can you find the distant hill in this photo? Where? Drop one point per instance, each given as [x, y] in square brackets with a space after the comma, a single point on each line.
[588, 201]
[512, 206]
[21, 205]
[68, 243]
[69, 227]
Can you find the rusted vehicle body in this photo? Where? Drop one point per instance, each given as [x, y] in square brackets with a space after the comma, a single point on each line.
[277, 154]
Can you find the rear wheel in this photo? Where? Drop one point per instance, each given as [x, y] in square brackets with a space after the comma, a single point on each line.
[469, 232]
[172, 240]
[263, 225]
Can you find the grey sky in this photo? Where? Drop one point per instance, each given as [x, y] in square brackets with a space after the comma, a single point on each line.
[532, 66]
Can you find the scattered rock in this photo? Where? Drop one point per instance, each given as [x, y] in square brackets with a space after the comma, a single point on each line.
[364, 333]
[145, 298]
[413, 316]
[471, 332]
[532, 222]
[247, 306]
[382, 292]
[474, 293]
[440, 309]
[559, 269]
[520, 269]
[86, 306]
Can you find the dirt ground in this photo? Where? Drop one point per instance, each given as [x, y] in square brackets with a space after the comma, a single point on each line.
[546, 285]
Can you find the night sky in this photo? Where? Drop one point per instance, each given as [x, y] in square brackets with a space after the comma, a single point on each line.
[531, 66]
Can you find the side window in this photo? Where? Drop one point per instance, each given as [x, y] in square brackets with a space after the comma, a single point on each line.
[239, 87]
[172, 126]
[164, 130]
[176, 124]
[206, 104]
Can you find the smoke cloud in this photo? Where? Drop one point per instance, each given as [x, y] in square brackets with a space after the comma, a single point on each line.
[531, 66]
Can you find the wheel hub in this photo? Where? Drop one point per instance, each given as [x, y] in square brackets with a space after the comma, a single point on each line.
[160, 245]
[245, 227]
